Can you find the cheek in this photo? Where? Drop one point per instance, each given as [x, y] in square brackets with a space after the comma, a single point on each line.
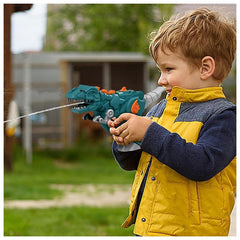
[176, 80]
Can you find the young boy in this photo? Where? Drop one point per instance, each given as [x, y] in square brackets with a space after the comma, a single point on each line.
[185, 180]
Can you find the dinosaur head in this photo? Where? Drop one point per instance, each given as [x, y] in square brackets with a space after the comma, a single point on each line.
[87, 96]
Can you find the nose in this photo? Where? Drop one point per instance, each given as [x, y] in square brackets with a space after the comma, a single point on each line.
[162, 81]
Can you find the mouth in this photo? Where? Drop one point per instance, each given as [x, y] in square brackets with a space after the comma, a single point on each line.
[80, 103]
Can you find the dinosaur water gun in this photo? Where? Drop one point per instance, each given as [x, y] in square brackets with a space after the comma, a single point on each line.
[108, 104]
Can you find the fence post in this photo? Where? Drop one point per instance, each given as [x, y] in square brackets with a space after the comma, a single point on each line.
[27, 109]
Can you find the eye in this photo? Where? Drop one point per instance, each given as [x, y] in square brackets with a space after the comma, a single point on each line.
[169, 69]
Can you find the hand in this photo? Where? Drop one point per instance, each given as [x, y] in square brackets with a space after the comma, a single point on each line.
[112, 129]
[133, 130]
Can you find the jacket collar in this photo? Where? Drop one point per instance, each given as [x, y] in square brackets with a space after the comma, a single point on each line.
[197, 95]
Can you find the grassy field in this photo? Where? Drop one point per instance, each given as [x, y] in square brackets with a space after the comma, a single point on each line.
[87, 162]
[73, 221]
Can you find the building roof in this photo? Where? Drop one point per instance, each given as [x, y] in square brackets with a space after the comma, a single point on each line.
[55, 57]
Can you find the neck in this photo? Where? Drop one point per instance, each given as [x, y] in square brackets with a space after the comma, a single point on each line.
[210, 82]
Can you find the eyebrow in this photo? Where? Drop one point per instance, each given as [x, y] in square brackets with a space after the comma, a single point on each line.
[164, 65]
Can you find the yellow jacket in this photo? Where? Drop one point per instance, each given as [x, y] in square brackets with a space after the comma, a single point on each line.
[174, 205]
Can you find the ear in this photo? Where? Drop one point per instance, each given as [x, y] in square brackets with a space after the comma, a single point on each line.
[207, 68]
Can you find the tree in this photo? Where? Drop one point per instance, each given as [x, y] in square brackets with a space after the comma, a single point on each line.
[103, 27]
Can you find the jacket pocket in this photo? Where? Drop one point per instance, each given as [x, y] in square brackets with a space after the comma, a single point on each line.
[194, 203]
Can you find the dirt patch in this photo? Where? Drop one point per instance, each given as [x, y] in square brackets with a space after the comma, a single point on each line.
[77, 195]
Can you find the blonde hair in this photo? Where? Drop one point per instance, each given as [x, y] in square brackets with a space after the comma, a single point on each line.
[198, 34]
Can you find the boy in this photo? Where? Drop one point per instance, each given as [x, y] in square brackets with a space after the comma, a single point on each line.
[185, 180]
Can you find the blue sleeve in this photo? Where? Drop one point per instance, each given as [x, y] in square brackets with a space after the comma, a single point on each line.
[127, 160]
[214, 150]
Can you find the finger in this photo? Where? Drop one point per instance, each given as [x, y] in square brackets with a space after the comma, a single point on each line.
[121, 118]
[111, 122]
[121, 128]
[126, 140]
[113, 131]
[124, 133]
[114, 138]
[117, 139]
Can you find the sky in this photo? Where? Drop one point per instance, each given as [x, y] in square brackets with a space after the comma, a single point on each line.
[28, 29]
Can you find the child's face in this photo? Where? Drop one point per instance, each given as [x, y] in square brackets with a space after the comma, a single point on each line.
[176, 71]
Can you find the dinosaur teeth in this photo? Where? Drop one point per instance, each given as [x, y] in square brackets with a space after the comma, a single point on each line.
[80, 103]
[78, 108]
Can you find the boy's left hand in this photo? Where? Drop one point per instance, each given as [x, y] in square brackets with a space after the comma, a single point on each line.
[133, 130]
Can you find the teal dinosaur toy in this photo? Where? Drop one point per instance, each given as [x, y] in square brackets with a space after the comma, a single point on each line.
[108, 104]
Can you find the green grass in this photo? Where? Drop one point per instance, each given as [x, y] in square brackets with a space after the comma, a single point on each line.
[84, 163]
[74, 221]
[88, 162]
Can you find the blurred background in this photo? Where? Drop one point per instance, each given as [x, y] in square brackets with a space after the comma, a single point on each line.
[60, 178]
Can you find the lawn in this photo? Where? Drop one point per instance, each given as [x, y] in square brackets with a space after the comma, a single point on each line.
[73, 221]
[85, 163]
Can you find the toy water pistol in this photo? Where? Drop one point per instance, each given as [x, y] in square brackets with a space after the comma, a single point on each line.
[108, 104]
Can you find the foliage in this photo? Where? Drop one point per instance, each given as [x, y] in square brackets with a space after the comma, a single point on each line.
[73, 221]
[103, 27]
